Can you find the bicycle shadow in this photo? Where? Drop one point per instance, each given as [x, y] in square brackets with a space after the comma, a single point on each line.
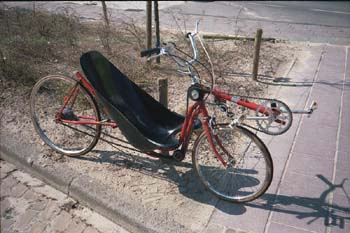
[308, 208]
[189, 185]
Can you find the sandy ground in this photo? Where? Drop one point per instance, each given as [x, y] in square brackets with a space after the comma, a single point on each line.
[157, 184]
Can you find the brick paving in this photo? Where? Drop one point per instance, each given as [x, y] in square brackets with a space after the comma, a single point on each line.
[29, 205]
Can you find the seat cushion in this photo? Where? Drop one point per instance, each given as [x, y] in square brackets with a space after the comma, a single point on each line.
[146, 123]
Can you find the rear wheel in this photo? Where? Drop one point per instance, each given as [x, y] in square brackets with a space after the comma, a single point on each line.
[46, 100]
[249, 168]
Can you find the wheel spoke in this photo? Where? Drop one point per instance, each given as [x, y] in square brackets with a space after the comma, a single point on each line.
[47, 98]
[244, 180]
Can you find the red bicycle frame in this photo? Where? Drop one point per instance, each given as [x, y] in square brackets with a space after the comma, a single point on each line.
[197, 110]
[71, 98]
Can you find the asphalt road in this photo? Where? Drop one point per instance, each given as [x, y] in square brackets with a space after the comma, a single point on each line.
[302, 21]
[323, 22]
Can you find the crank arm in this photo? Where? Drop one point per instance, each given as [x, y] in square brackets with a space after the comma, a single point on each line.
[257, 118]
[308, 111]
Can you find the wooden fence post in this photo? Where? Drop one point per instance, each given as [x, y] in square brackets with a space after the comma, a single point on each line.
[149, 25]
[163, 91]
[257, 44]
[156, 22]
[105, 13]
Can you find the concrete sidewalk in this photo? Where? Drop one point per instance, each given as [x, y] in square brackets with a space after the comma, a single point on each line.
[311, 186]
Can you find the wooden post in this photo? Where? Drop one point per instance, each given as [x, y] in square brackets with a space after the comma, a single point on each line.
[34, 9]
[106, 33]
[163, 91]
[105, 14]
[257, 44]
[156, 22]
[149, 25]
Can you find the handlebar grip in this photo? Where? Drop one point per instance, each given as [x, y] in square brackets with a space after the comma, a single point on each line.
[149, 52]
[188, 35]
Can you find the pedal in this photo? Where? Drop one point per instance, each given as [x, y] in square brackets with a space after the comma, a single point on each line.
[313, 106]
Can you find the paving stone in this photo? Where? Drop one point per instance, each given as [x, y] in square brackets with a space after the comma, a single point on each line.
[303, 186]
[76, 226]
[38, 213]
[315, 132]
[280, 228]
[302, 202]
[340, 213]
[5, 169]
[83, 214]
[311, 165]
[6, 185]
[344, 144]
[6, 225]
[345, 228]
[5, 205]
[61, 222]
[18, 190]
[38, 227]
[27, 179]
[214, 228]
[30, 195]
[302, 217]
[50, 192]
[235, 216]
[50, 211]
[343, 161]
[345, 121]
[90, 230]
[329, 118]
[323, 149]
[342, 179]
[23, 220]
[38, 205]
[327, 97]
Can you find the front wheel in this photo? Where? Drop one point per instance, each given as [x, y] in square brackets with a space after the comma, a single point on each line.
[46, 101]
[249, 169]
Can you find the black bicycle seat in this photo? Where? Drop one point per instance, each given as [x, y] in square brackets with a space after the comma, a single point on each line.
[146, 123]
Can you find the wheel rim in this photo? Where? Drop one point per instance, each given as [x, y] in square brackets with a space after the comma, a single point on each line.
[46, 100]
[249, 171]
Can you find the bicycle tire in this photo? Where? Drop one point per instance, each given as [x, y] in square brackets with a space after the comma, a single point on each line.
[46, 99]
[224, 182]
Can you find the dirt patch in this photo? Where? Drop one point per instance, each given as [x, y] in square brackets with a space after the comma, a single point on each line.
[157, 184]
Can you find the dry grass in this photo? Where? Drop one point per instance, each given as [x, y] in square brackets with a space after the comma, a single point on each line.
[33, 45]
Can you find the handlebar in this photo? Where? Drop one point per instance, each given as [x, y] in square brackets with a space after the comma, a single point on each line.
[194, 46]
[163, 51]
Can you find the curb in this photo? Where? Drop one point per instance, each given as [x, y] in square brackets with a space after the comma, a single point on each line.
[85, 190]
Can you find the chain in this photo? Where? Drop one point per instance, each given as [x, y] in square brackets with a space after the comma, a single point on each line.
[224, 108]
